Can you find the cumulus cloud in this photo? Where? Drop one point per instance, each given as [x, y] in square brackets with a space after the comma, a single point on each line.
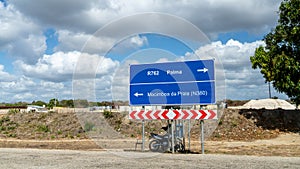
[62, 14]
[210, 16]
[20, 36]
[127, 45]
[120, 81]
[75, 22]
[5, 76]
[60, 66]
[241, 80]
[28, 49]
[232, 59]
[13, 24]
[139, 40]
[96, 89]
[28, 89]
[70, 41]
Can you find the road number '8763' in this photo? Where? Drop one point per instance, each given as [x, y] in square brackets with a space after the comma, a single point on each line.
[152, 73]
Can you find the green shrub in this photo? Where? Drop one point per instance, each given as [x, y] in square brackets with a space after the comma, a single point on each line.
[43, 128]
[59, 132]
[107, 114]
[89, 126]
[4, 119]
[12, 135]
[13, 111]
[11, 127]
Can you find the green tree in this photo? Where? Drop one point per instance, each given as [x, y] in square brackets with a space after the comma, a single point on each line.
[104, 103]
[52, 103]
[39, 103]
[279, 60]
[67, 103]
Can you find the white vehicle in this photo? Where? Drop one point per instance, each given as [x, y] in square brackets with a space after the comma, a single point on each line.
[34, 108]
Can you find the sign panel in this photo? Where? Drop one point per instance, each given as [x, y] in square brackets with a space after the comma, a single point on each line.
[173, 114]
[201, 70]
[172, 83]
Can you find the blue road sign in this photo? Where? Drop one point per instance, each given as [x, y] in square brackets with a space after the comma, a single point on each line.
[172, 83]
[172, 72]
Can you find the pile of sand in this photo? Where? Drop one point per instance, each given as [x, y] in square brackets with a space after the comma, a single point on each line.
[268, 104]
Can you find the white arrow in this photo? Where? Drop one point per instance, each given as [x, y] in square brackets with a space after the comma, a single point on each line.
[138, 94]
[202, 70]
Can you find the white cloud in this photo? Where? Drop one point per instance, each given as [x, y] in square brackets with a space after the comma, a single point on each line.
[28, 49]
[60, 66]
[75, 21]
[23, 24]
[139, 40]
[20, 36]
[97, 89]
[5, 76]
[70, 41]
[23, 84]
[62, 14]
[209, 15]
[13, 24]
[111, 80]
[120, 81]
[16, 90]
[93, 44]
[242, 82]
[27, 89]
[162, 60]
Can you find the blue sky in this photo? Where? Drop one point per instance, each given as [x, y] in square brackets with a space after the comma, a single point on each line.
[241, 36]
[42, 42]
[51, 40]
[156, 41]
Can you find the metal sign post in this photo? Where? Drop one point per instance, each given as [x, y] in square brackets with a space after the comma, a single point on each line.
[202, 135]
[183, 132]
[173, 142]
[143, 135]
[189, 134]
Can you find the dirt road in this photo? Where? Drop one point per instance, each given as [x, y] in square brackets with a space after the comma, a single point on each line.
[67, 159]
[286, 145]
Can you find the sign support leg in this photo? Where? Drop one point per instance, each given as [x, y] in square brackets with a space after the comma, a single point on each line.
[143, 135]
[172, 144]
[183, 132]
[175, 130]
[189, 134]
[202, 135]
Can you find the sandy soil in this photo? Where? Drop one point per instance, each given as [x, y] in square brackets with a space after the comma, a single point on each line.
[287, 145]
[268, 104]
[63, 131]
[284, 145]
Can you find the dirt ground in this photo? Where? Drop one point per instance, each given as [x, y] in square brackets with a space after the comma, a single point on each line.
[287, 145]
[238, 133]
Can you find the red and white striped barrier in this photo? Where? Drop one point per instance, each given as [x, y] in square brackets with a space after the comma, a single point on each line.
[172, 114]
